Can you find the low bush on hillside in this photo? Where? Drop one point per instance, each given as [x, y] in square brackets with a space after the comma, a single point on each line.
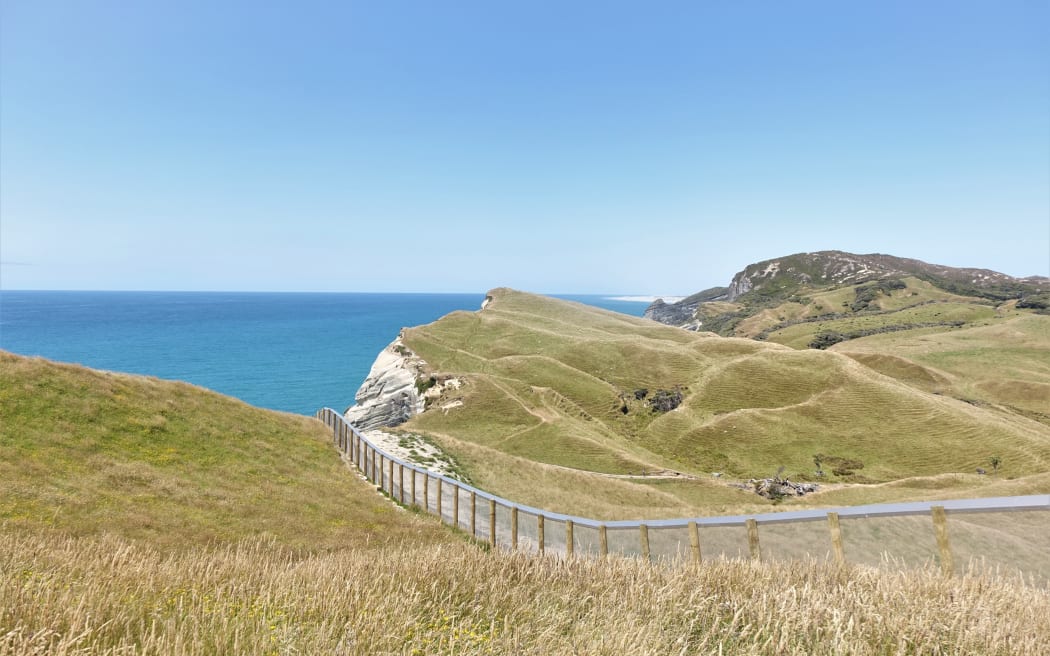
[824, 339]
[867, 293]
[1035, 302]
[665, 400]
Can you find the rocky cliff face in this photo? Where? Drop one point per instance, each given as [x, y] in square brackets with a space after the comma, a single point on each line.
[683, 313]
[674, 314]
[389, 396]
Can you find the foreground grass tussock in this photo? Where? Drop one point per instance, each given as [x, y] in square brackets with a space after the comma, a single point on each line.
[74, 595]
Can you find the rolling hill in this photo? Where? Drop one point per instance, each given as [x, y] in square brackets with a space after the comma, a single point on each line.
[146, 516]
[972, 334]
[569, 407]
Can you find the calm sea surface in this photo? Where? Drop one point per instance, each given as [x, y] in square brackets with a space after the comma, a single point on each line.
[292, 351]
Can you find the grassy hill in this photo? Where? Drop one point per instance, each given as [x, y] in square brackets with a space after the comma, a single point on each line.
[557, 412]
[971, 334]
[87, 452]
[145, 516]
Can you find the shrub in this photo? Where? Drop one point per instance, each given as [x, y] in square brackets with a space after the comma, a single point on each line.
[823, 340]
[423, 384]
[665, 400]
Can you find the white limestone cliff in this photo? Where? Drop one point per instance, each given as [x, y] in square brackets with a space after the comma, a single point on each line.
[389, 396]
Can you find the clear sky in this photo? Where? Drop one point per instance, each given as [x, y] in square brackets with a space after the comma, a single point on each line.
[587, 147]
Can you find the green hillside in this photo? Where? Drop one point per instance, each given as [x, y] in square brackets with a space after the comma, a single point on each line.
[554, 389]
[144, 516]
[88, 452]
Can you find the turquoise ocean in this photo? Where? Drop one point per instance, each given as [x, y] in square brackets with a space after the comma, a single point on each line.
[294, 352]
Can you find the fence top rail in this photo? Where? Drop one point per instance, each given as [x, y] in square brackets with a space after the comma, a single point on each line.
[990, 504]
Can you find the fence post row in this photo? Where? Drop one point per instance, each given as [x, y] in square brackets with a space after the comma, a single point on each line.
[369, 460]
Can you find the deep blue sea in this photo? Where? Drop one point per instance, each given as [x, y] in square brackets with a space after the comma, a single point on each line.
[286, 351]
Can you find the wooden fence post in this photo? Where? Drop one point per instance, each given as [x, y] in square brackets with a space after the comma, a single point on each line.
[413, 486]
[940, 525]
[836, 538]
[401, 482]
[492, 522]
[752, 540]
[514, 528]
[473, 514]
[539, 532]
[455, 505]
[438, 494]
[568, 538]
[375, 462]
[643, 536]
[426, 491]
[603, 540]
[390, 475]
[694, 541]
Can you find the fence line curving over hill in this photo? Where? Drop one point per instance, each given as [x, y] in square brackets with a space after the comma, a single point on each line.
[1007, 532]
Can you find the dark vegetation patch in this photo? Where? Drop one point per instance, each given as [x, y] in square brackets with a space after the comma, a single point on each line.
[666, 400]
[865, 294]
[1038, 302]
[995, 291]
[824, 339]
[423, 384]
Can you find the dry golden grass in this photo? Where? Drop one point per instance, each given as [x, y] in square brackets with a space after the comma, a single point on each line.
[61, 595]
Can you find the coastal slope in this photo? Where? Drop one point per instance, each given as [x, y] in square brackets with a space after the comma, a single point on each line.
[652, 420]
[86, 452]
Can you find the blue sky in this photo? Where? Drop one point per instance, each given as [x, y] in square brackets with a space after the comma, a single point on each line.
[629, 147]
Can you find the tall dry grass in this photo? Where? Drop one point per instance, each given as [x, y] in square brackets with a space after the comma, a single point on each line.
[63, 595]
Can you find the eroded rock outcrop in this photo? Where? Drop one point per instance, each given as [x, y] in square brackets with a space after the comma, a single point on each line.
[399, 386]
[390, 395]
